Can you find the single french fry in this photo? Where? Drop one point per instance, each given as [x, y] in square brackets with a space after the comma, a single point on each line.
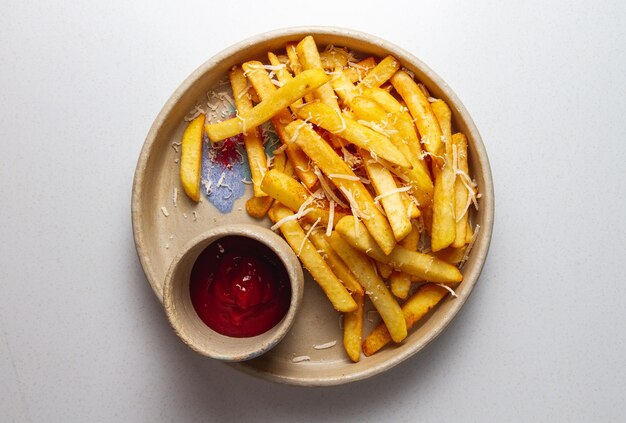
[421, 111]
[260, 80]
[387, 193]
[381, 73]
[258, 206]
[353, 328]
[318, 238]
[296, 67]
[332, 165]
[340, 124]
[283, 76]
[469, 233]
[443, 231]
[416, 307]
[313, 261]
[357, 71]
[452, 255]
[279, 162]
[375, 287]
[252, 139]
[191, 157]
[304, 83]
[384, 269]
[424, 266]
[310, 59]
[461, 194]
[291, 194]
[344, 88]
[411, 208]
[400, 281]
[335, 58]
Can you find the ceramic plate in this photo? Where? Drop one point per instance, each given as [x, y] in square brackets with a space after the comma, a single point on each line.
[164, 219]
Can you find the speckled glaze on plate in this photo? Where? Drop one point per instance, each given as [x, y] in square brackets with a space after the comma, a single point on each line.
[158, 238]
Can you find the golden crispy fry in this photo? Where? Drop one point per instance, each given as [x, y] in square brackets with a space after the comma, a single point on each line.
[400, 281]
[262, 84]
[340, 124]
[292, 195]
[283, 76]
[412, 210]
[381, 73]
[335, 58]
[333, 165]
[384, 269]
[258, 206]
[415, 263]
[452, 255]
[191, 158]
[388, 194]
[304, 83]
[421, 111]
[252, 139]
[357, 71]
[460, 147]
[443, 231]
[312, 261]
[469, 233]
[344, 88]
[296, 66]
[375, 288]
[310, 59]
[318, 238]
[353, 328]
[416, 307]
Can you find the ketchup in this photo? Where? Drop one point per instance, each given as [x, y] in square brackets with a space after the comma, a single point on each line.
[239, 287]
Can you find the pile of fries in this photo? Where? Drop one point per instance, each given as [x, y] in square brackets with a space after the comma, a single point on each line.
[370, 186]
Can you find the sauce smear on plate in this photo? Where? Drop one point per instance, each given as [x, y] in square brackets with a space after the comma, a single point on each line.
[239, 287]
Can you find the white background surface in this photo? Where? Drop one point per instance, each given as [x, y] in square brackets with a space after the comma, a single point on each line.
[82, 337]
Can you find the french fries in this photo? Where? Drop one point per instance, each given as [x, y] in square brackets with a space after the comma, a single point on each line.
[343, 177]
[375, 287]
[421, 111]
[425, 266]
[368, 173]
[362, 136]
[443, 231]
[251, 139]
[302, 84]
[310, 59]
[420, 303]
[264, 87]
[338, 295]
[381, 73]
[191, 158]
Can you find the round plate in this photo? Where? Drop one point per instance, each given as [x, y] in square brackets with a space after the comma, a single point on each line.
[164, 219]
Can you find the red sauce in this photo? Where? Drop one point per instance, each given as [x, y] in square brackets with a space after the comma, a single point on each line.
[239, 287]
[227, 153]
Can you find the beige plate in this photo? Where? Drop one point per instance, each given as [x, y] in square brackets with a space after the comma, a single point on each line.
[158, 238]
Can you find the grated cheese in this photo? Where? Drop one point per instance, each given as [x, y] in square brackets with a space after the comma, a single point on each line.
[325, 346]
[297, 131]
[354, 207]
[165, 212]
[195, 216]
[330, 194]
[307, 235]
[280, 149]
[245, 181]
[377, 127]
[449, 289]
[331, 218]
[300, 359]
[470, 246]
[343, 122]
[346, 177]
[175, 146]
[175, 197]
[391, 192]
[286, 219]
